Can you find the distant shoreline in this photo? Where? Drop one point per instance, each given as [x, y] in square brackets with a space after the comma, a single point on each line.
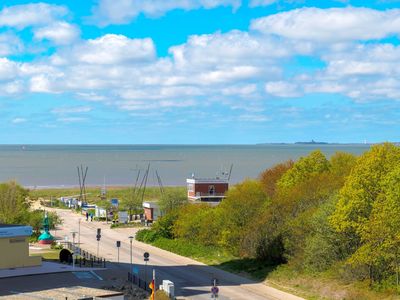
[95, 186]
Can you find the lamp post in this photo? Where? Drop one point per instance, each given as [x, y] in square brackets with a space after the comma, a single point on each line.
[130, 241]
[73, 249]
[79, 232]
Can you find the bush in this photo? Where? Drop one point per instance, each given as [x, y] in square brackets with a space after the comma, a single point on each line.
[161, 295]
[146, 236]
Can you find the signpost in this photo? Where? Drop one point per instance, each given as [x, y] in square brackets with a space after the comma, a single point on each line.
[146, 258]
[98, 237]
[214, 288]
[118, 246]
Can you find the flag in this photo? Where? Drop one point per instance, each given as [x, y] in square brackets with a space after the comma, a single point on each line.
[151, 285]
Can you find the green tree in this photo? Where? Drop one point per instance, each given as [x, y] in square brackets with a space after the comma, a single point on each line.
[341, 164]
[243, 205]
[189, 222]
[305, 167]
[14, 207]
[171, 200]
[362, 188]
[380, 235]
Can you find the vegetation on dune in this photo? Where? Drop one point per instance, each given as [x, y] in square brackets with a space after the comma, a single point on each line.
[15, 208]
[334, 221]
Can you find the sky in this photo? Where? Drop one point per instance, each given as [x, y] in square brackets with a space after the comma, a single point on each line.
[199, 71]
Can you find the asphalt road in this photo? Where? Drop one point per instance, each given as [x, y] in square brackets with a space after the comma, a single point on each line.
[192, 279]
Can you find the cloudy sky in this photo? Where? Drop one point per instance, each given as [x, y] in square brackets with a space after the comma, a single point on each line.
[199, 71]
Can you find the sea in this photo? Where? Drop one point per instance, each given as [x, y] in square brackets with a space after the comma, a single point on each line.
[56, 166]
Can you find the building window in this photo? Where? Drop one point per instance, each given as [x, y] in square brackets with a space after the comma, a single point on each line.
[211, 189]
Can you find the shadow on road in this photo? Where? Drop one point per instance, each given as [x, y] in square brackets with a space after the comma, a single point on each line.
[189, 280]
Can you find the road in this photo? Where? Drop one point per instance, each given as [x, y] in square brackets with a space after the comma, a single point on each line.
[192, 279]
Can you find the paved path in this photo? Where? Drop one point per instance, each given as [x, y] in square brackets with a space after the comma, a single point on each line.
[45, 268]
[192, 279]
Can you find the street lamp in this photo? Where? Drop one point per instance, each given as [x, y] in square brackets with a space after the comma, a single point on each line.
[130, 240]
[79, 232]
[73, 248]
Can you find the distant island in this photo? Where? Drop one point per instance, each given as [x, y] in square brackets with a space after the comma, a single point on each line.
[311, 143]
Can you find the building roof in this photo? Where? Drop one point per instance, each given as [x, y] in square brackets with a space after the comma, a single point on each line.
[206, 180]
[9, 225]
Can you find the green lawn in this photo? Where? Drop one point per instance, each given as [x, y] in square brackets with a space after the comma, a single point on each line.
[49, 255]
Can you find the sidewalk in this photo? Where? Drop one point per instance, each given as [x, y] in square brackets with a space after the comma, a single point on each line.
[45, 268]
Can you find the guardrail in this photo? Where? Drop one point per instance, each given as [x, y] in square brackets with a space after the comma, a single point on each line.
[85, 258]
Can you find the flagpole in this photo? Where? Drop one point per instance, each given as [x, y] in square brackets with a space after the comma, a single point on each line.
[154, 283]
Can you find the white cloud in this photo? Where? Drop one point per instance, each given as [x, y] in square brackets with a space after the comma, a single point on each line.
[71, 119]
[21, 16]
[8, 69]
[113, 49]
[123, 11]
[282, 89]
[228, 48]
[256, 3]
[331, 25]
[10, 44]
[61, 33]
[71, 110]
[253, 118]
[18, 120]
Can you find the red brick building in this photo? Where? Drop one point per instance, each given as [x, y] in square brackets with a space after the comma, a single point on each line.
[206, 190]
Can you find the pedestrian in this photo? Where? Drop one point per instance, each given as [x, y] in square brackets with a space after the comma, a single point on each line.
[87, 216]
[91, 217]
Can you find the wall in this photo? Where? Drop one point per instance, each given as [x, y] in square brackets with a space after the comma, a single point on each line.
[15, 253]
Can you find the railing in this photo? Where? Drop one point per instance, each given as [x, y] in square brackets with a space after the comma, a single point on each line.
[200, 194]
[136, 280]
[85, 258]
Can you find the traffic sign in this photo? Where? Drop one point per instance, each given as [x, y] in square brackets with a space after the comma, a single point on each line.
[214, 290]
[146, 256]
[118, 244]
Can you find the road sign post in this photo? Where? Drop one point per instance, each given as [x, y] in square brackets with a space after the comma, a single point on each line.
[118, 246]
[214, 288]
[146, 257]
[98, 237]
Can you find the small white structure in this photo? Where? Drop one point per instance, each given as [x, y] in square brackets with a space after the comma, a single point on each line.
[100, 212]
[169, 288]
[123, 217]
[151, 211]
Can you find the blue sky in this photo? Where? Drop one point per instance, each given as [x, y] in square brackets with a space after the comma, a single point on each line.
[199, 71]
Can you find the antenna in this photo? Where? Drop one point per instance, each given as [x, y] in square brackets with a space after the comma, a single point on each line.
[230, 172]
[145, 183]
[160, 183]
[82, 182]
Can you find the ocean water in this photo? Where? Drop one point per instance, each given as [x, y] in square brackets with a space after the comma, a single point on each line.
[56, 165]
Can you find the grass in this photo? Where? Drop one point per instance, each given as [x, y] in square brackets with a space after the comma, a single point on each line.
[93, 196]
[49, 255]
[127, 225]
[206, 254]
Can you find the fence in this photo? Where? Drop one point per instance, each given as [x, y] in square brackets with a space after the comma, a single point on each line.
[85, 258]
[136, 280]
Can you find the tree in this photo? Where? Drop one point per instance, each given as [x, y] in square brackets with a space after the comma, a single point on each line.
[271, 176]
[171, 200]
[362, 188]
[380, 235]
[341, 164]
[243, 205]
[14, 207]
[305, 167]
